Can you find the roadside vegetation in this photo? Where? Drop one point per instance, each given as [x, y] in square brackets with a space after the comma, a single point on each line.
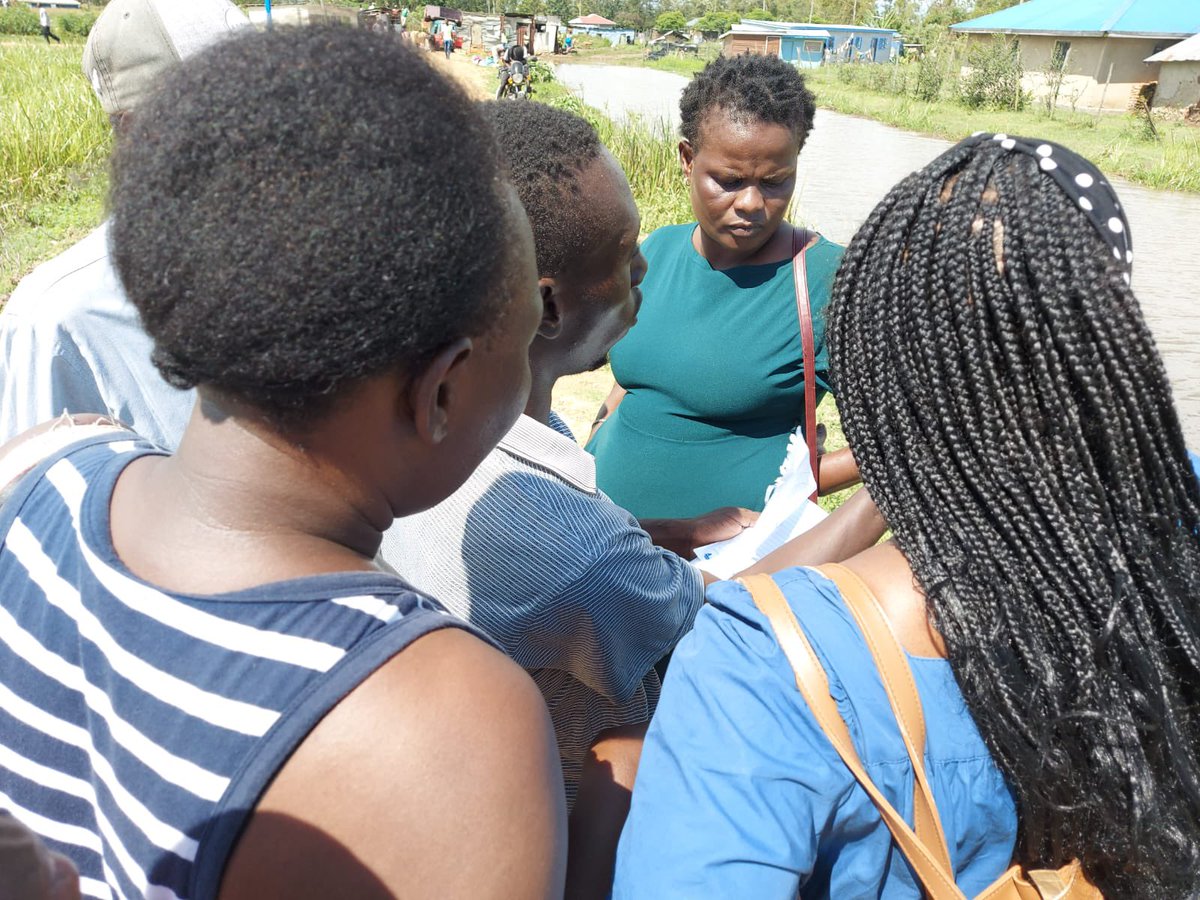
[931, 95]
[54, 146]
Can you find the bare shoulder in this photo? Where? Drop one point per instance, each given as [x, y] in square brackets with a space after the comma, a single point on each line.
[438, 776]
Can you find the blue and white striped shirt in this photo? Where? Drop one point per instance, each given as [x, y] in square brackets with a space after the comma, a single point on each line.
[567, 582]
[138, 728]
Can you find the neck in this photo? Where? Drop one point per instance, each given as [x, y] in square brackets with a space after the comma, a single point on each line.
[541, 392]
[268, 507]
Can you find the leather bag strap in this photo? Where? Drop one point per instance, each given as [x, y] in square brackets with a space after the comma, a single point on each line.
[902, 694]
[801, 238]
[814, 687]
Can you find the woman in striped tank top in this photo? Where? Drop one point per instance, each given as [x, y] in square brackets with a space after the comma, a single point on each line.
[207, 686]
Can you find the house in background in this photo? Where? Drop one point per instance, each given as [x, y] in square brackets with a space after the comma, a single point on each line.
[1178, 74]
[1092, 53]
[602, 27]
[807, 45]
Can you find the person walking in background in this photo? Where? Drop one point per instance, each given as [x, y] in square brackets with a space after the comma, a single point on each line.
[44, 21]
[447, 29]
[1039, 594]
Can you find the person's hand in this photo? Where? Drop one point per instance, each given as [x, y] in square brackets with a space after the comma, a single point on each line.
[721, 525]
[28, 870]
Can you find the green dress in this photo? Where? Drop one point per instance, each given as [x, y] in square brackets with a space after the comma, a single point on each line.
[714, 370]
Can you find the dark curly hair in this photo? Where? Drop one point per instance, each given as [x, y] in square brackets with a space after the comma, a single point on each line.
[546, 149]
[299, 208]
[1013, 421]
[748, 87]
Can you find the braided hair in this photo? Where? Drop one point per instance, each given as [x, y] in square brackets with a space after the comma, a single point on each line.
[749, 88]
[1013, 421]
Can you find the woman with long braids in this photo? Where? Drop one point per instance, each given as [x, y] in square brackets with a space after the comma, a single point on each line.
[1013, 422]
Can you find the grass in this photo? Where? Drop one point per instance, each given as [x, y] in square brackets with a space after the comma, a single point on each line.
[54, 146]
[1117, 143]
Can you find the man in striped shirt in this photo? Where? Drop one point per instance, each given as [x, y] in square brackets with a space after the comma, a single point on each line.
[574, 588]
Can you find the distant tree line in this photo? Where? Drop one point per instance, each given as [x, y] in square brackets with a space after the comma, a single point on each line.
[905, 16]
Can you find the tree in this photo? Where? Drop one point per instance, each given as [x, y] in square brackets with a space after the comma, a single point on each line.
[670, 21]
[718, 21]
[985, 7]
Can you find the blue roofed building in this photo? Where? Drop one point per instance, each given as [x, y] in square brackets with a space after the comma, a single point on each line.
[1091, 53]
[807, 45]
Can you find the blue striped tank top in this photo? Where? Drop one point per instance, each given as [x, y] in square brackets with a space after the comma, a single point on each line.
[138, 728]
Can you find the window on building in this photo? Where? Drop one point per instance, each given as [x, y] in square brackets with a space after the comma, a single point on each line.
[1058, 59]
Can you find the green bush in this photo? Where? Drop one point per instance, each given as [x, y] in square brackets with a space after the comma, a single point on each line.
[77, 23]
[994, 79]
[930, 75]
[18, 20]
[540, 72]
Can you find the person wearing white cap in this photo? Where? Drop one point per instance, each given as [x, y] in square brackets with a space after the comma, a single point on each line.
[69, 339]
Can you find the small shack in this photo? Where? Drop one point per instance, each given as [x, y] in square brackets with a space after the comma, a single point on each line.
[482, 31]
[1178, 74]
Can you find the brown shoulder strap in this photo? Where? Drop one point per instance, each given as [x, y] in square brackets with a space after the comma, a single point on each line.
[902, 694]
[801, 237]
[814, 687]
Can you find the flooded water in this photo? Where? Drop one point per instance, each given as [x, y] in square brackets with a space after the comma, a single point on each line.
[848, 164]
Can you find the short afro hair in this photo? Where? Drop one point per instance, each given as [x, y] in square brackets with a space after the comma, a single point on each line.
[748, 88]
[298, 209]
[546, 149]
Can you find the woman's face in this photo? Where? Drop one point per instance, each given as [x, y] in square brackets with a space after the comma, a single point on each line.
[741, 179]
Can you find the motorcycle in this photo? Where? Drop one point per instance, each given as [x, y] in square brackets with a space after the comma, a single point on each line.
[514, 81]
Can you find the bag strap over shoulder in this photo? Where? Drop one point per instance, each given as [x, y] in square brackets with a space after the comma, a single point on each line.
[902, 695]
[801, 238]
[814, 687]
[927, 854]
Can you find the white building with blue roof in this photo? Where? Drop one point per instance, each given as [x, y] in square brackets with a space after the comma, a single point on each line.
[1102, 47]
[807, 45]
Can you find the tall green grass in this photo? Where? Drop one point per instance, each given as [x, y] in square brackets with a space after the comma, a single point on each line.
[54, 145]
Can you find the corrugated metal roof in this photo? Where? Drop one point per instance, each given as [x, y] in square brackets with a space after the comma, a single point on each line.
[1152, 18]
[756, 28]
[592, 19]
[1184, 51]
[769, 26]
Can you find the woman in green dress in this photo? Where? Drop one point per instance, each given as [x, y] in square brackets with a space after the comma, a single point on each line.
[710, 381]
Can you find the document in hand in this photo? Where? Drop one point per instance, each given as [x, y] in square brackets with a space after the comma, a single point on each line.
[788, 513]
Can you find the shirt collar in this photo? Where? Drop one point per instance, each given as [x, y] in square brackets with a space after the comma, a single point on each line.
[550, 447]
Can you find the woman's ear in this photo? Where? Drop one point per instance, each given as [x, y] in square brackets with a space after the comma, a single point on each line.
[686, 156]
[434, 392]
[551, 325]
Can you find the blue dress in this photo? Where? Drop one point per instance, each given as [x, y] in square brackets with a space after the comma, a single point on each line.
[740, 794]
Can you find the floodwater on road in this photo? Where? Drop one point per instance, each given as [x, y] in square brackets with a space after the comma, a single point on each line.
[849, 163]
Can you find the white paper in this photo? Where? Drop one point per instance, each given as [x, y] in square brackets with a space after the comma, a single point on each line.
[788, 512]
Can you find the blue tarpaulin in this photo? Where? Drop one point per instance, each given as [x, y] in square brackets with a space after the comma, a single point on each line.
[1148, 18]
